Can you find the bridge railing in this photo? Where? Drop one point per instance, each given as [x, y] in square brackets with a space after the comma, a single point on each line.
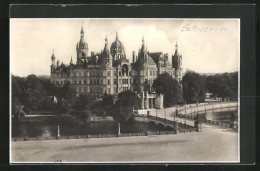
[167, 121]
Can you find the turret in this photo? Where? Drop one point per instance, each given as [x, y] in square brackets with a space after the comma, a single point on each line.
[53, 59]
[133, 57]
[81, 47]
[71, 62]
[177, 63]
[106, 56]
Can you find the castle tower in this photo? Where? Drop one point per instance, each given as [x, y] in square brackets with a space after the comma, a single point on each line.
[117, 49]
[177, 64]
[107, 58]
[143, 55]
[81, 48]
[53, 59]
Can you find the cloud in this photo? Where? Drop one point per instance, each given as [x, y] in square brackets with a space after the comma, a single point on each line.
[33, 40]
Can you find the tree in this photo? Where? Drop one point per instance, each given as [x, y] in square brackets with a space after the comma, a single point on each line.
[107, 100]
[169, 86]
[83, 102]
[223, 85]
[193, 86]
[122, 111]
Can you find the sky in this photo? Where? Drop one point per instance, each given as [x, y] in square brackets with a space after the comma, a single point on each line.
[206, 45]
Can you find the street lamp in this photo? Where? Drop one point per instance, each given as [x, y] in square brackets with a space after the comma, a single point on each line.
[58, 131]
[156, 116]
[197, 107]
[185, 108]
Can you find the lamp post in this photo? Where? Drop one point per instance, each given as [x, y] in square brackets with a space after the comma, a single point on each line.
[156, 116]
[58, 131]
[197, 107]
[185, 108]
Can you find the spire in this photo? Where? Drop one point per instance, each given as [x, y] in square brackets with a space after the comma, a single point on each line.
[71, 62]
[53, 56]
[143, 45]
[106, 40]
[82, 31]
[106, 46]
[116, 36]
[176, 46]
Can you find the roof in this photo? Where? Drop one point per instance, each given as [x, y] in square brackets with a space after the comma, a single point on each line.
[117, 46]
[155, 56]
[151, 61]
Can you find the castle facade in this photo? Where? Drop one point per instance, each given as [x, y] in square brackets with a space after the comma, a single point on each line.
[109, 71]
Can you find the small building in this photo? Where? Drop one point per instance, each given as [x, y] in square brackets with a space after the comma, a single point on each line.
[151, 100]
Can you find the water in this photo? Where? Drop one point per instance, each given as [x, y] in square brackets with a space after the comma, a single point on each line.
[222, 115]
[48, 128]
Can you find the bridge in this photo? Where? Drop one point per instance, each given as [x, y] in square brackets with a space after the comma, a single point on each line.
[187, 114]
[173, 124]
[204, 107]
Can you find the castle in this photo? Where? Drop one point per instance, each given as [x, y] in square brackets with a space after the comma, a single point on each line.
[109, 71]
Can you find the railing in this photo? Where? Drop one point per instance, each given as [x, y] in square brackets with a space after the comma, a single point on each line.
[224, 124]
[206, 106]
[147, 133]
[166, 121]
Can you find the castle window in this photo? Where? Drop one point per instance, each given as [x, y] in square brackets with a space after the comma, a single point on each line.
[114, 73]
[108, 81]
[151, 73]
[97, 81]
[129, 73]
[119, 73]
[94, 81]
[90, 81]
[85, 82]
[101, 81]
[101, 74]
[79, 81]
[114, 81]
[108, 73]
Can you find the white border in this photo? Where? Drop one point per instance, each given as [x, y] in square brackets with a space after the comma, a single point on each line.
[127, 162]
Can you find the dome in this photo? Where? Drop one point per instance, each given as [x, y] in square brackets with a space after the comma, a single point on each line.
[82, 43]
[117, 47]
